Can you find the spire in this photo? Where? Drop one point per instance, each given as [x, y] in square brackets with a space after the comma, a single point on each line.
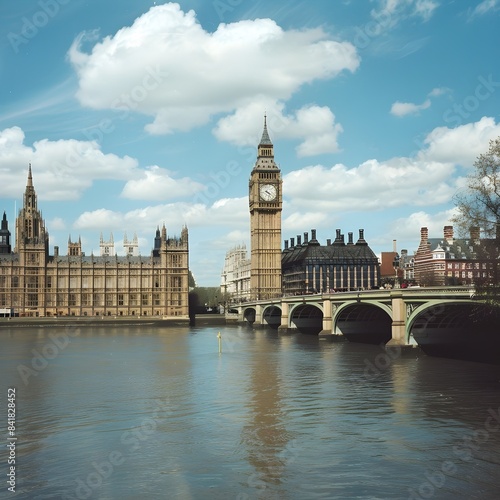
[265, 140]
[30, 178]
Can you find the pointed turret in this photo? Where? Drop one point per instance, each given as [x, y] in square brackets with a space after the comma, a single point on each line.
[265, 151]
[30, 226]
[30, 177]
[5, 247]
[265, 140]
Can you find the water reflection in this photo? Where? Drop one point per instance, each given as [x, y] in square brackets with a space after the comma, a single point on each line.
[273, 416]
[265, 435]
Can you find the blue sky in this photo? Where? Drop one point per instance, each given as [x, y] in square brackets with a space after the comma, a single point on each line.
[138, 113]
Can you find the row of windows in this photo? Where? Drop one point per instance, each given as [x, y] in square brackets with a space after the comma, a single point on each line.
[110, 300]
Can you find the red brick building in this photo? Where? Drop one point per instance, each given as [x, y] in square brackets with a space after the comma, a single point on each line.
[449, 260]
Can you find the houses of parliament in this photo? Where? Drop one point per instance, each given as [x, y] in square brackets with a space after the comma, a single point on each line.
[35, 283]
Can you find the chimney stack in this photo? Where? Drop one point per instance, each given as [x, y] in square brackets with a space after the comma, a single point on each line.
[299, 240]
[286, 244]
[475, 234]
[292, 242]
[448, 234]
[350, 240]
[424, 235]
[394, 247]
[306, 238]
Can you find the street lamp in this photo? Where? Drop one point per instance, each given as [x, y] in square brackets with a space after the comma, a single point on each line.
[395, 265]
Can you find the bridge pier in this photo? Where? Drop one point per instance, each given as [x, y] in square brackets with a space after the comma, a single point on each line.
[258, 316]
[327, 318]
[398, 328]
[285, 312]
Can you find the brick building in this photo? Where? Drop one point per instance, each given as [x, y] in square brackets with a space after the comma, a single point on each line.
[448, 260]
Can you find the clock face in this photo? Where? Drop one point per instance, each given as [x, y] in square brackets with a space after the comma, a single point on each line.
[268, 192]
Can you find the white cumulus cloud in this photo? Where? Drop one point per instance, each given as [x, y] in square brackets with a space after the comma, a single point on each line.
[62, 169]
[408, 108]
[167, 66]
[157, 183]
[461, 145]
[314, 125]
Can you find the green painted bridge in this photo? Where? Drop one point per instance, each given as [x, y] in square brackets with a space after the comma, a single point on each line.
[434, 316]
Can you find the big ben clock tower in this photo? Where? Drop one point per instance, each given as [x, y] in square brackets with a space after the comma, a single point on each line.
[265, 199]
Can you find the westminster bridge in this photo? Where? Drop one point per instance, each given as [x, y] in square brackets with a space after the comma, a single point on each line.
[430, 316]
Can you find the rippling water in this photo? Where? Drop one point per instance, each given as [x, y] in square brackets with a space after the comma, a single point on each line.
[128, 413]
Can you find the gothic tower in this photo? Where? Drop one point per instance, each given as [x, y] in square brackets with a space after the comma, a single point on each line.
[131, 247]
[265, 200]
[32, 240]
[107, 247]
[5, 236]
[32, 245]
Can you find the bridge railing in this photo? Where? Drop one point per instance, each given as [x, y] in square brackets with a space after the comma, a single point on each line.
[410, 291]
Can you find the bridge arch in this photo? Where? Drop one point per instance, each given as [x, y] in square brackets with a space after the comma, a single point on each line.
[369, 322]
[249, 314]
[456, 329]
[428, 311]
[271, 316]
[306, 318]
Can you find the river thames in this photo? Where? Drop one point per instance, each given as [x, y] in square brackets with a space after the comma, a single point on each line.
[143, 412]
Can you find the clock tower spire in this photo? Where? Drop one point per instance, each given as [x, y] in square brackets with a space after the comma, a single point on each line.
[265, 201]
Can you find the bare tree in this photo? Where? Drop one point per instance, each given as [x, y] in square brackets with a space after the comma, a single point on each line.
[479, 203]
[479, 207]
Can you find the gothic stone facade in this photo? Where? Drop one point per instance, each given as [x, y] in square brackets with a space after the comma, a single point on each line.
[235, 279]
[34, 283]
[265, 203]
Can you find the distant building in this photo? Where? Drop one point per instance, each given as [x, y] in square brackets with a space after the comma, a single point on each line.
[309, 267]
[389, 265]
[235, 279]
[407, 266]
[34, 283]
[393, 264]
[449, 260]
